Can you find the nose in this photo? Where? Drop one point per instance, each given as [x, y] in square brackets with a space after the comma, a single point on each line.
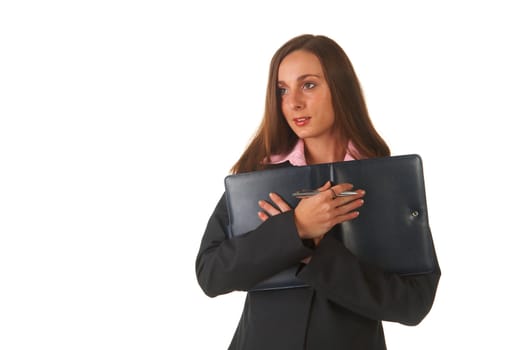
[295, 100]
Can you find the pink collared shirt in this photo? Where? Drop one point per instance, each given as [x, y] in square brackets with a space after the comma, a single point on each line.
[296, 156]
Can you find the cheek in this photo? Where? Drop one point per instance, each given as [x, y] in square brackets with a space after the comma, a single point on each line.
[329, 110]
[285, 111]
[288, 121]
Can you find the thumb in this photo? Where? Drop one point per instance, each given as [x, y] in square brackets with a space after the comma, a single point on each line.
[325, 187]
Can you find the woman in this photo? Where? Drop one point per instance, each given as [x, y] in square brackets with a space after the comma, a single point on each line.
[315, 113]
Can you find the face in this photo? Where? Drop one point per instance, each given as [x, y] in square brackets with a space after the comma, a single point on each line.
[306, 99]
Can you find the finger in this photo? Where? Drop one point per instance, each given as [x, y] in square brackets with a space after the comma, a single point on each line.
[268, 208]
[346, 217]
[334, 191]
[262, 215]
[317, 240]
[326, 186]
[306, 260]
[339, 201]
[349, 207]
[281, 204]
[342, 187]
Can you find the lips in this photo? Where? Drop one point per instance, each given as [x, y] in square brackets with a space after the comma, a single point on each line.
[301, 121]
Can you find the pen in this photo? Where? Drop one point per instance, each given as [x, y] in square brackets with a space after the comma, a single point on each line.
[309, 193]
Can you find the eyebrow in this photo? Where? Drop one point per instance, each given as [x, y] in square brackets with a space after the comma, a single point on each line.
[302, 77]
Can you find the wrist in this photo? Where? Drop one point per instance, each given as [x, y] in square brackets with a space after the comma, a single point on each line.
[300, 227]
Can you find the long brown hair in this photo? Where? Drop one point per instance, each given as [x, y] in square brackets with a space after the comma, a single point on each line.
[274, 135]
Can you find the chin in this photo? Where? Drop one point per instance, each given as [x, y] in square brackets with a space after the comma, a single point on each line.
[302, 134]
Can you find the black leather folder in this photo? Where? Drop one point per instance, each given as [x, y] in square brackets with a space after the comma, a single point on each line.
[391, 231]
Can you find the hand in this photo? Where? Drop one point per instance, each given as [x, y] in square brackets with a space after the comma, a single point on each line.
[270, 210]
[282, 207]
[316, 215]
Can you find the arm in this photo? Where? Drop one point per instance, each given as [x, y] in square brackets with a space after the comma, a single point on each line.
[337, 274]
[224, 265]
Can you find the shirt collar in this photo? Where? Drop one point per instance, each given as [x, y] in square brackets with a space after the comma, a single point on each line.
[296, 156]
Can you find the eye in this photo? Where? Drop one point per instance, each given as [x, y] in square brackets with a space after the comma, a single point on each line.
[282, 91]
[308, 86]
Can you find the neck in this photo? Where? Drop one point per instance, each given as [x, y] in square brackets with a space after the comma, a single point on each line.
[323, 151]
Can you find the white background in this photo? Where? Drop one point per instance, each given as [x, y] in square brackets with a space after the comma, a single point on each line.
[120, 119]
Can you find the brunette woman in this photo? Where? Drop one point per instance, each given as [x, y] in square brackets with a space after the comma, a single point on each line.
[314, 113]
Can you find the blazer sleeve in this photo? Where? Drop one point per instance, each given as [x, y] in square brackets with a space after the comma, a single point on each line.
[224, 265]
[338, 275]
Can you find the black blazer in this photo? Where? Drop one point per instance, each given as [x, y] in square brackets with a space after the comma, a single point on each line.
[343, 307]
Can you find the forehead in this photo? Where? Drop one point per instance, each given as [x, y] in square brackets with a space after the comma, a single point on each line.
[298, 64]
